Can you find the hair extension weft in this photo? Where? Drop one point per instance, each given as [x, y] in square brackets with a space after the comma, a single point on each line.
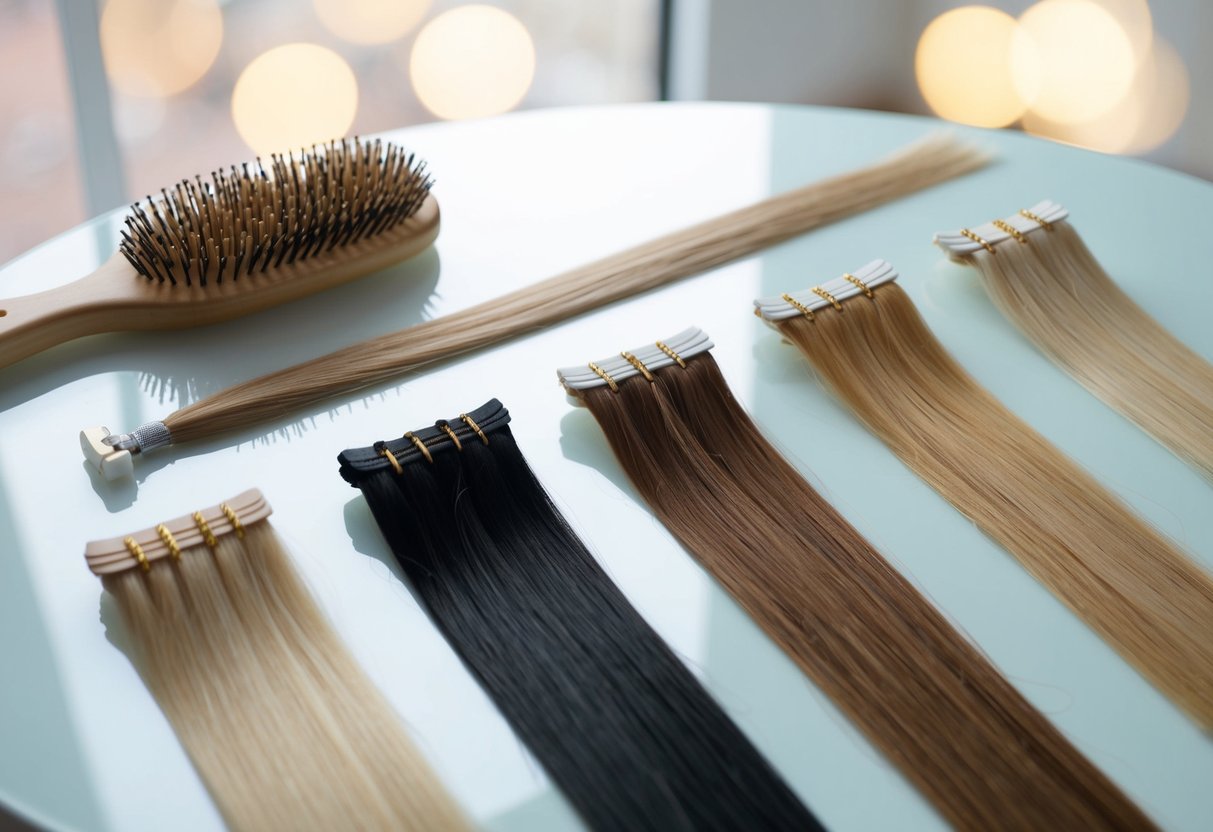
[284, 728]
[620, 725]
[1147, 599]
[1057, 294]
[885, 656]
[649, 265]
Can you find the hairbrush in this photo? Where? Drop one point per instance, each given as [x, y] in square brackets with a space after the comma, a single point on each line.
[249, 238]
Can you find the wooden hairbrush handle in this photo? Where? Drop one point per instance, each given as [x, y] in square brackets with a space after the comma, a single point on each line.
[33, 323]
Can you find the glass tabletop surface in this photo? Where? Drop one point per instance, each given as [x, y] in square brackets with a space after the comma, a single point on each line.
[83, 744]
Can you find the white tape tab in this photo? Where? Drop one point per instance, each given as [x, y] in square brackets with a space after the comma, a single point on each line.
[874, 274]
[112, 463]
[959, 243]
[688, 343]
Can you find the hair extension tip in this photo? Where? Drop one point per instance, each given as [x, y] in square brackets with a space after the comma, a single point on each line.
[110, 462]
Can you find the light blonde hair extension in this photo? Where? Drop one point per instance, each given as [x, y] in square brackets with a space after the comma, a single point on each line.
[1054, 290]
[1135, 588]
[917, 688]
[283, 726]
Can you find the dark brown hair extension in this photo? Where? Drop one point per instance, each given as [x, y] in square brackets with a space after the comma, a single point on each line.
[915, 686]
[1130, 584]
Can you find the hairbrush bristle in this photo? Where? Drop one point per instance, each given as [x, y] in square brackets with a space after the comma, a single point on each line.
[252, 218]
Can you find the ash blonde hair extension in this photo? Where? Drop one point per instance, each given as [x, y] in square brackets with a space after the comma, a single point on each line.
[280, 722]
[887, 658]
[1125, 580]
[1056, 293]
[647, 266]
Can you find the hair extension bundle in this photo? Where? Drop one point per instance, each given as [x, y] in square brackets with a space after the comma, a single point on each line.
[1055, 291]
[281, 723]
[640, 269]
[887, 658]
[620, 725]
[869, 345]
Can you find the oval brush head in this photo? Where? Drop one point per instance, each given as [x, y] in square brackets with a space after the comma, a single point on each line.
[249, 238]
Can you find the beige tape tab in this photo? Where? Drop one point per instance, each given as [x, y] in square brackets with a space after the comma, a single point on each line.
[115, 554]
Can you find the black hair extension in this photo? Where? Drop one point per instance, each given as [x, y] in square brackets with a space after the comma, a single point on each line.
[618, 722]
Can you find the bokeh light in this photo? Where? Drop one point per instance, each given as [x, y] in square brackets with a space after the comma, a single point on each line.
[1164, 93]
[294, 96]
[1138, 24]
[1149, 115]
[155, 48]
[370, 21]
[1071, 60]
[472, 62]
[963, 66]
[1086, 72]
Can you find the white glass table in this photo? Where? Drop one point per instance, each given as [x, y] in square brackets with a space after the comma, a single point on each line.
[82, 743]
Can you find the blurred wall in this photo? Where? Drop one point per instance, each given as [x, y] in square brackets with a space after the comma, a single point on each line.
[860, 53]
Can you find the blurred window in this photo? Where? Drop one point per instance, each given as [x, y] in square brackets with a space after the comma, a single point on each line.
[40, 186]
[199, 84]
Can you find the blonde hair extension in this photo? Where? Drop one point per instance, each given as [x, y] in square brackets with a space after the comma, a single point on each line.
[917, 688]
[280, 722]
[677, 255]
[1124, 579]
[1053, 289]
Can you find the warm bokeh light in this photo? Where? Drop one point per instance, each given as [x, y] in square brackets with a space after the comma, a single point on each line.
[1071, 60]
[1164, 96]
[294, 96]
[471, 62]
[1085, 72]
[963, 65]
[156, 48]
[1148, 116]
[1135, 19]
[370, 21]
